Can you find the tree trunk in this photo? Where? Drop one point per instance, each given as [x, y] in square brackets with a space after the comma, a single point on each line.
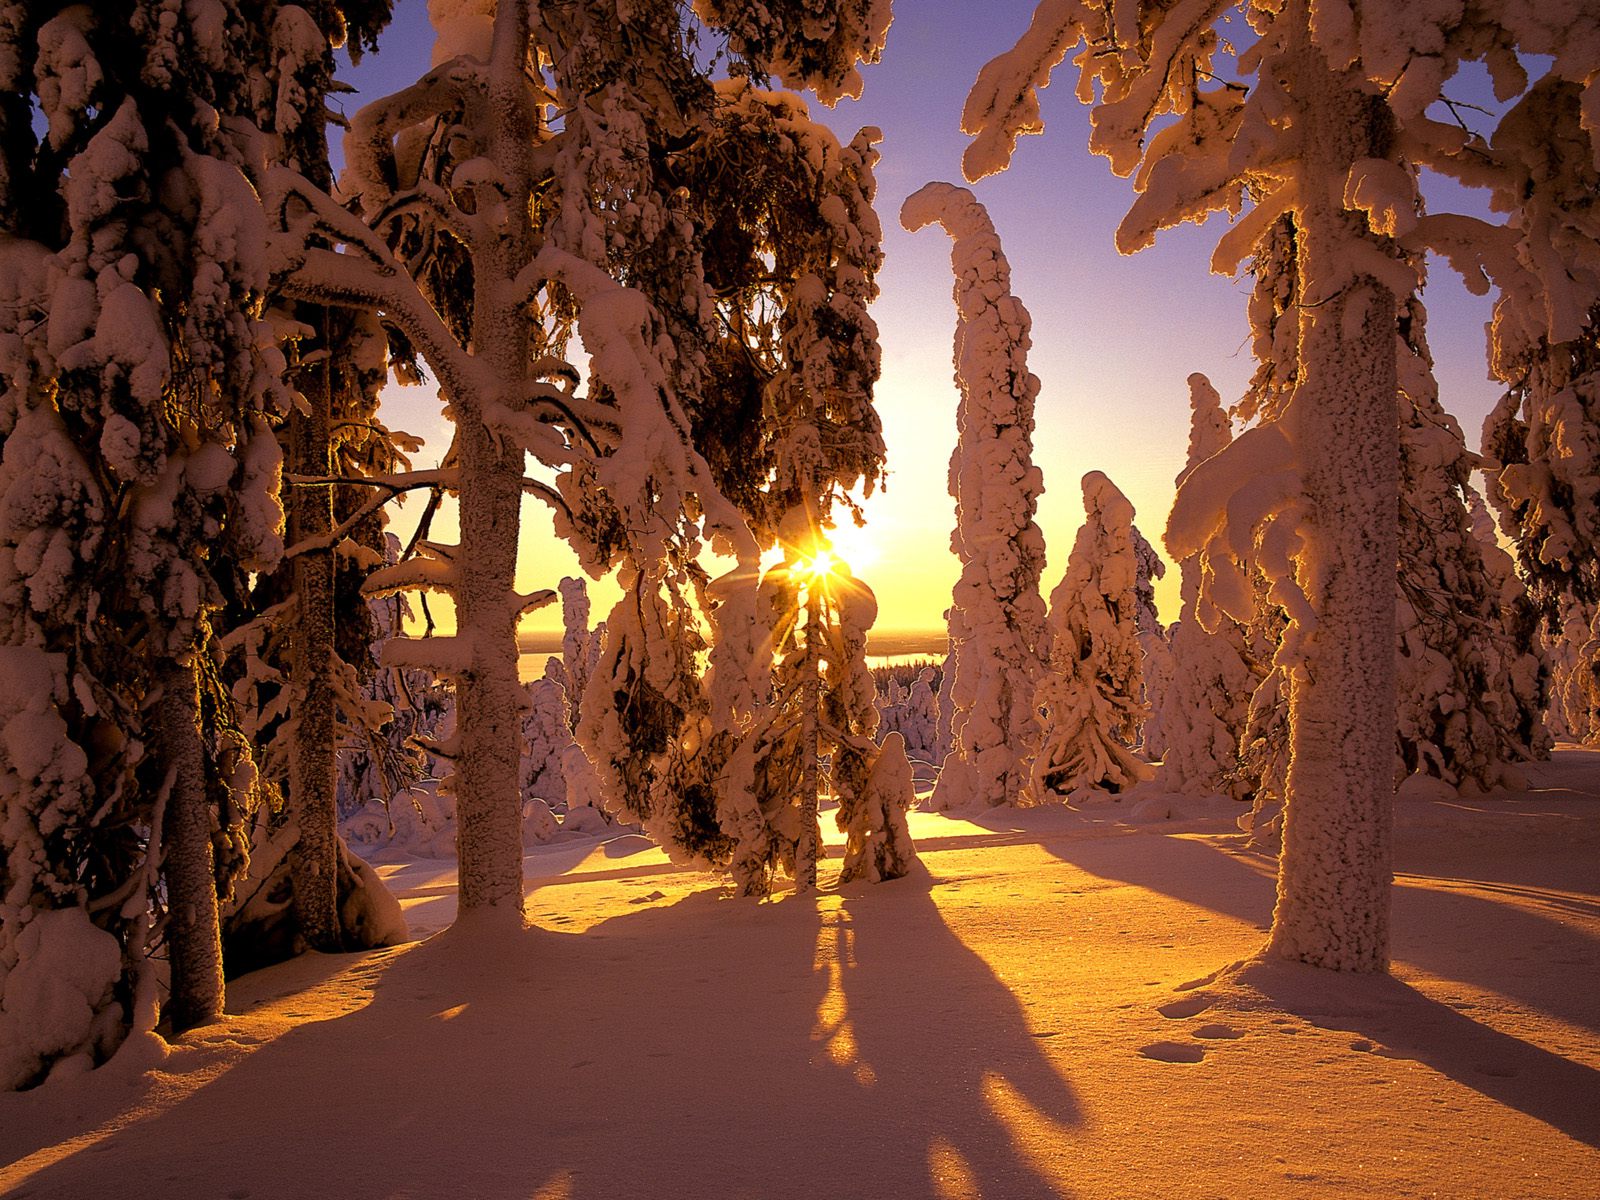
[313, 861]
[489, 695]
[809, 848]
[193, 934]
[1334, 873]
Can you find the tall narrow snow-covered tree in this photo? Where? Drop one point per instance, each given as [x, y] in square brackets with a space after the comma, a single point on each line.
[823, 708]
[1327, 121]
[1089, 695]
[1203, 710]
[996, 617]
[1156, 676]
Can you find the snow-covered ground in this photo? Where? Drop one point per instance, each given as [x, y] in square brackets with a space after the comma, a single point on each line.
[1018, 1020]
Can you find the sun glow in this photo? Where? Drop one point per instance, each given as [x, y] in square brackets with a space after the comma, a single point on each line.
[821, 565]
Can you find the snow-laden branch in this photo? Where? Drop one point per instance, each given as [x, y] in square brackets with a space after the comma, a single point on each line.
[413, 575]
[1004, 102]
[387, 486]
[372, 278]
[372, 174]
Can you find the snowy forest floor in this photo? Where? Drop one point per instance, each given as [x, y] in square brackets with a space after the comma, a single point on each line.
[1011, 1022]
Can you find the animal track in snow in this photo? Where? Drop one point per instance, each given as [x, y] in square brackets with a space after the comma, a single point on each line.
[1188, 1006]
[1173, 1052]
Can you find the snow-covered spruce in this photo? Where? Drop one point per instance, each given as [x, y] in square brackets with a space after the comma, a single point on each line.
[1460, 710]
[819, 614]
[1202, 712]
[996, 617]
[1089, 695]
[138, 474]
[1543, 438]
[1156, 675]
[756, 244]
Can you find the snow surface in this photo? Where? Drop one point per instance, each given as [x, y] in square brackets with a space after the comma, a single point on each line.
[1019, 1019]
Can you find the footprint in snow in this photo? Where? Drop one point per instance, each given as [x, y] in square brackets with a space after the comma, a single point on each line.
[1215, 1031]
[1188, 1006]
[1173, 1052]
[648, 897]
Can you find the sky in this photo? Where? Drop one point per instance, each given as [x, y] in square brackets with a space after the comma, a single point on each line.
[1114, 338]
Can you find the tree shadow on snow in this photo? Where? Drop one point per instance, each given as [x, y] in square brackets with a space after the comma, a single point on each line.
[1512, 941]
[1520, 941]
[703, 1049]
[1397, 1021]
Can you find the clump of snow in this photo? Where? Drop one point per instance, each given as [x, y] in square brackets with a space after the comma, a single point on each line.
[56, 985]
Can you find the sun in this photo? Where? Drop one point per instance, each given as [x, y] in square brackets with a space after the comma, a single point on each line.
[819, 566]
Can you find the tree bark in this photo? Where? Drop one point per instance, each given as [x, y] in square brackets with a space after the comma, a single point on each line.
[313, 861]
[193, 933]
[809, 848]
[489, 695]
[1335, 869]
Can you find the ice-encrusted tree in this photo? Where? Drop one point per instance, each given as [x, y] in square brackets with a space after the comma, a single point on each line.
[1326, 122]
[1204, 708]
[996, 616]
[1089, 694]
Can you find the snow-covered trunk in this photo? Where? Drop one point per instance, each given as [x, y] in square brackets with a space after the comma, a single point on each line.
[809, 847]
[193, 932]
[1334, 874]
[489, 695]
[313, 862]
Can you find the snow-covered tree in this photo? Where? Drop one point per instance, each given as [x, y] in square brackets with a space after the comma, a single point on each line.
[466, 265]
[1460, 716]
[822, 708]
[1089, 695]
[1156, 676]
[1326, 122]
[138, 472]
[912, 711]
[1543, 438]
[996, 617]
[1574, 657]
[1203, 710]
[750, 228]
[580, 646]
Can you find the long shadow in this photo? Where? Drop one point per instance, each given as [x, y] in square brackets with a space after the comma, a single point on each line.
[946, 1045]
[1518, 940]
[1528, 954]
[682, 1050]
[1406, 1024]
